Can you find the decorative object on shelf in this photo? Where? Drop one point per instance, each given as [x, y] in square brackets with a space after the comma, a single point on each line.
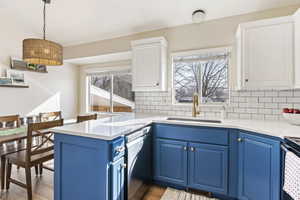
[19, 64]
[5, 81]
[42, 51]
[17, 77]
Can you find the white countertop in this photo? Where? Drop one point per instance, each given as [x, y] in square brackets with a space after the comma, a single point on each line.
[107, 127]
[111, 127]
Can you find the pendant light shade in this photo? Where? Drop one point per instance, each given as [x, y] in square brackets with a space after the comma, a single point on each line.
[42, 51]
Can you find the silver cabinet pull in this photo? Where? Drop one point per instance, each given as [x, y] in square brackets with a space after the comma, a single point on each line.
[123, 165]
[240, 139]
[192, 149]
[185, 148]
[120, 149]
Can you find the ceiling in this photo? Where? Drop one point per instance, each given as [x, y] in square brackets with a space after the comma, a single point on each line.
[72, 22]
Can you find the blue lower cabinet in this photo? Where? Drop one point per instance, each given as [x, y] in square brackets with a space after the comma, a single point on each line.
[170, 161]
[208, 167]
[117, 179]
[259, 168]
[81, 168]
[88, 168]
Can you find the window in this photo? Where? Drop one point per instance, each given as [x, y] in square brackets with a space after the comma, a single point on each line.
[111, 92]
[204, 72]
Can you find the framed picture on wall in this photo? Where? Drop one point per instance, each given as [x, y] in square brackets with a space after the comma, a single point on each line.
[17, 77]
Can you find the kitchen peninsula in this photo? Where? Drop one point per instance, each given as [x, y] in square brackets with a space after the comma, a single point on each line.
[94, 152]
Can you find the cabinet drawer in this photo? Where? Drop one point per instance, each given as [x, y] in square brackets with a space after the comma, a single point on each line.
[192, 133]
[117, 149]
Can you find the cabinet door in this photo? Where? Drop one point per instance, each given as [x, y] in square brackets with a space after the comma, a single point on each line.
[170, 161]
[259, 168]
[268, 54]
[117, 179]
[146, 67]
[208, 167]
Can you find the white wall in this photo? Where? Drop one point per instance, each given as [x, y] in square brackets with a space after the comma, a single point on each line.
[56, 90]
[209, 34]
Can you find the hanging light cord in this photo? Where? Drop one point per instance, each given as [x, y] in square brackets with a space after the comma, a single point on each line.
[44, 27]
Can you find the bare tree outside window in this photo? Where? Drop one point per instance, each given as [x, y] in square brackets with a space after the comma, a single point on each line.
[205, 74]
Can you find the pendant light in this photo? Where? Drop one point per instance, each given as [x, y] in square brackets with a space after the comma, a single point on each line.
[42, 51]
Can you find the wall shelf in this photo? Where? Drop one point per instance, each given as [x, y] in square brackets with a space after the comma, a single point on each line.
[15, 86]
[28, 69]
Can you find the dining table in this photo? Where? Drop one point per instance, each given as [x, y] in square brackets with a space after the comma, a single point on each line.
[17, 134]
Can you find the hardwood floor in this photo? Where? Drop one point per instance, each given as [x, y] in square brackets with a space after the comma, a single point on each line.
[43, 187]
[154, 193]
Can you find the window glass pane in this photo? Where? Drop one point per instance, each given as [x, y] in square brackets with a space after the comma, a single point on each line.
[205, 74]
[100, 93]
[123, 97]
[186, 80]
[215, 81]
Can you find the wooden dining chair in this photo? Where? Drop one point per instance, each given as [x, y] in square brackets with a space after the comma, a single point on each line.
[9, 122]
[86, 118]
[50, 116]
[45, 117]
[33, 155]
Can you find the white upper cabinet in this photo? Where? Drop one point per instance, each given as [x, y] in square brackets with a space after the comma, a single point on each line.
[297, 49]
[149, 64]
[266, 54]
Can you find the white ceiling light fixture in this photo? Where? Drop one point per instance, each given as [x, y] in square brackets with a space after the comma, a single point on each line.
[198, 16]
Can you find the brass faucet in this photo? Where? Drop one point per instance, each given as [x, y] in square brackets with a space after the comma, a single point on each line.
[195, 105]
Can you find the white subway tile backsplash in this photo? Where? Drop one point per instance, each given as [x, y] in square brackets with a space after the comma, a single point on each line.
[252, 99]
[258, 116]
[243, 105]
[264, 111]
[272, 117]
[265, 99]
[245, 116]
[252, 110]
[286, 93]
[279, 100]
[233, 115]
[259, 104]
[297, 93]
[258, 93]
[271, 105]
[285, 105]
[293, 99]
[245, 94]
[271, 93]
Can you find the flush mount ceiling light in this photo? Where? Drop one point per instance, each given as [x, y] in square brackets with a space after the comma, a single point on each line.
[198, 16]
[42, 51]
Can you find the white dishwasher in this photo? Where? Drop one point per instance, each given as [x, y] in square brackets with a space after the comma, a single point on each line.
[139, 163]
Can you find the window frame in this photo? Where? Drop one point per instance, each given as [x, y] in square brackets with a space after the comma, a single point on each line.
[103, 71]
[197, 52]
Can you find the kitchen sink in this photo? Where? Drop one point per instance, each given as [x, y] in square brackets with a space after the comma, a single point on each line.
[194, 120]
